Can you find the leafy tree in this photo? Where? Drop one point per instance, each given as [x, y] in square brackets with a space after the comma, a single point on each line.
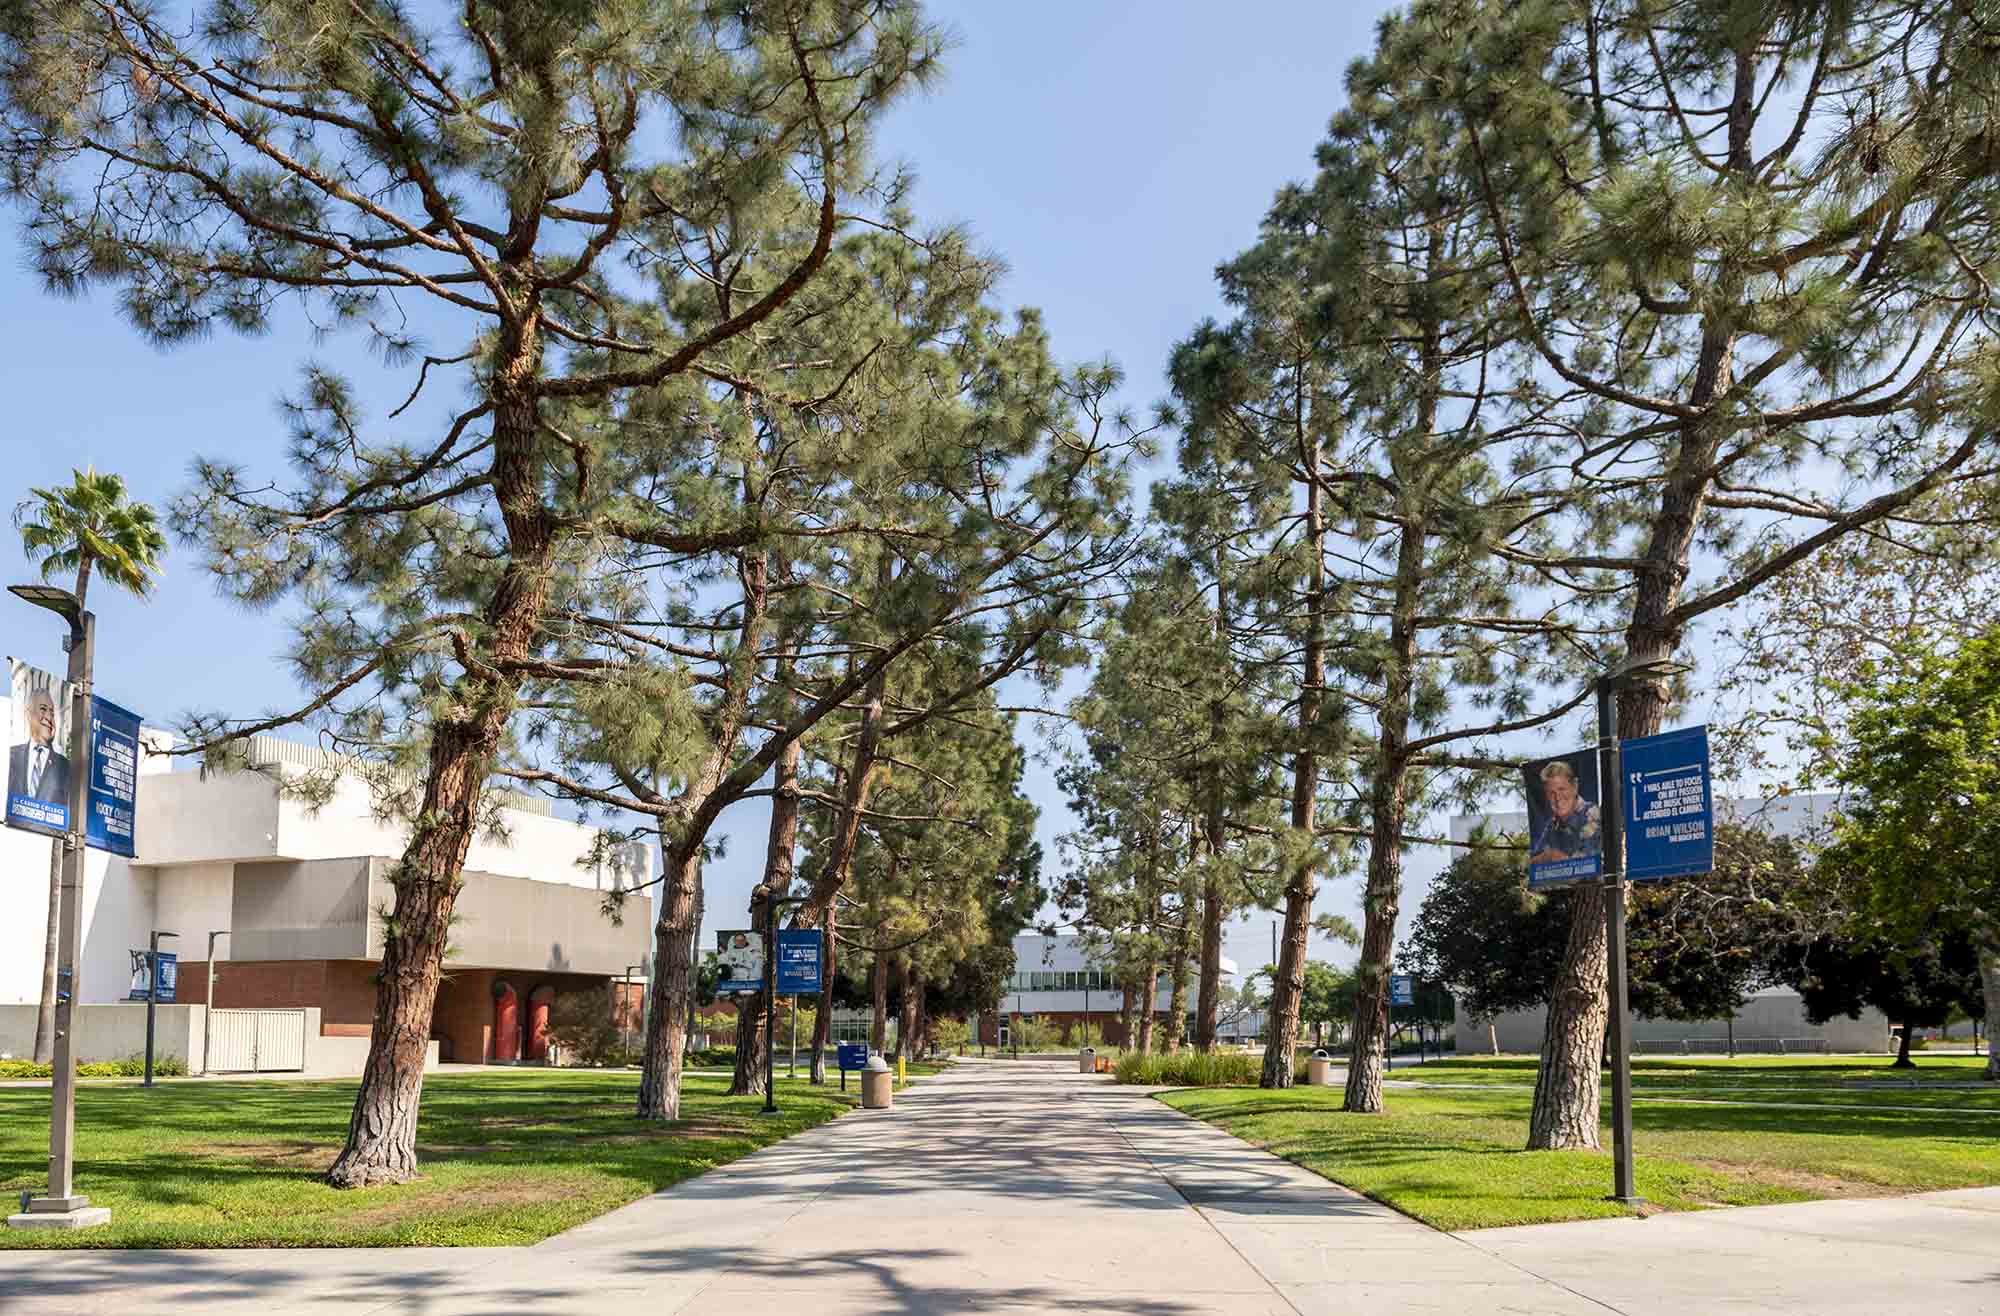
[1918, 982]
[1920, 825]
[85, 527]
[1483, 932]
[1749, 246]
[1328, 1002]
[586, 203]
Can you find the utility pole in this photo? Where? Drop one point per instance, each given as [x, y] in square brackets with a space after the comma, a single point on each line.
[62, 1207]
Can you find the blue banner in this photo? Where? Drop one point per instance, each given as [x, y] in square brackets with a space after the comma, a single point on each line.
[798, 961]
[170, 976]
[1565, 826]
[1669, 805]
[114, 778]
[1402, 989]
[851, 1055]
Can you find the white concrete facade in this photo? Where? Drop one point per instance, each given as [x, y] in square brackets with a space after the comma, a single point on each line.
[1059, 975]
[235, 852]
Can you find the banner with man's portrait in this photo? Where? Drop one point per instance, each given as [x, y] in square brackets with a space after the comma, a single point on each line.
[38, 766]
[1565, 819]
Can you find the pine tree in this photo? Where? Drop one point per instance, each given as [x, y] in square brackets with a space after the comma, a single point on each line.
[508, 172]
[1752, 248]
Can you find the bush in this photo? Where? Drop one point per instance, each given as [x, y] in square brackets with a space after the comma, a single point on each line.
[714, 1057]
[132, 1066]
[580, 1023]
[1192, 1069]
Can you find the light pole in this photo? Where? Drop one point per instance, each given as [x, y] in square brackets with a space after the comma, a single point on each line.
[624, 1034]
[63, 1207]
[1611, 789]
[208, 1006]
[762, 894]
[153, 994]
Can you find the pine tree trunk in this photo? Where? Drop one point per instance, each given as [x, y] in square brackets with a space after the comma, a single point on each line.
[1289, 986]
[673, 986]
[1388, 807]
[1149, 996]
[781, 840]
[1177, 1002]
[747, 1080]
[1209, 994]
[45, 1011]
[382, 1133]
[878, 1027]
[906, 1011]
[1127, 1002]
[1569, 1085]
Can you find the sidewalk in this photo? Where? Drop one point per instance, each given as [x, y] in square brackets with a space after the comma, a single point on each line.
[1013, 1188]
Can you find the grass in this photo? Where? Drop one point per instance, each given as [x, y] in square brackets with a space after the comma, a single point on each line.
[1453, 1158]
[506, 1159]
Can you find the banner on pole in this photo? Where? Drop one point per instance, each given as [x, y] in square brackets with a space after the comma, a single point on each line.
[1402, 989]
[1669, 805]
[114, 778]
[740, 954]
[170, 974]
[798, 961]
[38, 765]
[1565, 825]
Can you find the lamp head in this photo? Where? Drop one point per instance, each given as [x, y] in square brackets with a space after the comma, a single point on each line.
[53, 597]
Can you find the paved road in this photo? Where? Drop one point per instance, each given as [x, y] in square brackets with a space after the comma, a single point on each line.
[1026, 1188]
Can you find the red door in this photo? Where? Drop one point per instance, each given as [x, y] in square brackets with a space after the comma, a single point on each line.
[506, 1023]
[538, 1022]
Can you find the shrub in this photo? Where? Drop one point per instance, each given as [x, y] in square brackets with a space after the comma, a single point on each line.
[1191, 1069]
[132, 1066]
[580, 1023]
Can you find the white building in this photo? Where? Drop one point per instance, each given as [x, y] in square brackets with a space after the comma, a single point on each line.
[300, 894]
[1056, 978]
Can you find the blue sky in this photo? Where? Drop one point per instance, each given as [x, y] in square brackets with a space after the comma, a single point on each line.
[1111, 153]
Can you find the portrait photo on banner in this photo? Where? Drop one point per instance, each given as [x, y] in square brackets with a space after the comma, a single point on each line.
[38, 766]
[1565, 818]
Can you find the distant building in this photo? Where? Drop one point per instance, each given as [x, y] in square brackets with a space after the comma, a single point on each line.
[1772, 1020]
[1056, 979]
[302, 895]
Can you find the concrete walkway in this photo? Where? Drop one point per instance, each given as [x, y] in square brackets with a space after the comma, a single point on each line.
[1027, 1188]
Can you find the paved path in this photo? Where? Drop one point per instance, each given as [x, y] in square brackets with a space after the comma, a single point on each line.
[1026, 1188]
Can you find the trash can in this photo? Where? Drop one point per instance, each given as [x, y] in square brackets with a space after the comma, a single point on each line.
[878, 1085]
[1086, 1060]
[1319, 1069]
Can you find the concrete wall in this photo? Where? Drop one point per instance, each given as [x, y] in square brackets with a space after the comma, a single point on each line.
[112, 1032]
[118, 913]
[302, 910]
[511, 923]
[1770, 1014]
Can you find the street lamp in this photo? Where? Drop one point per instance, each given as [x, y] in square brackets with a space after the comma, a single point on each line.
[1611, 788]
[153, 994]
[208, 1009]
[62, 1207]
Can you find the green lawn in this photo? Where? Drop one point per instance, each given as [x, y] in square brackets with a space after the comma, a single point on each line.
[507, 1158]
[1453, 1158]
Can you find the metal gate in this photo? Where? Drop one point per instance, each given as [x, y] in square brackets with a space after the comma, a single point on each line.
[256, 1041]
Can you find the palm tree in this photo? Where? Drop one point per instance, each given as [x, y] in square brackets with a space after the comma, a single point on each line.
[84, 527]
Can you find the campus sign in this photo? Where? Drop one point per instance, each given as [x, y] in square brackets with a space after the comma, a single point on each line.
[740, 957]
[799, 961]
[38, 765]
[1565, 822]
[1402, 989]
[1669, 805]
